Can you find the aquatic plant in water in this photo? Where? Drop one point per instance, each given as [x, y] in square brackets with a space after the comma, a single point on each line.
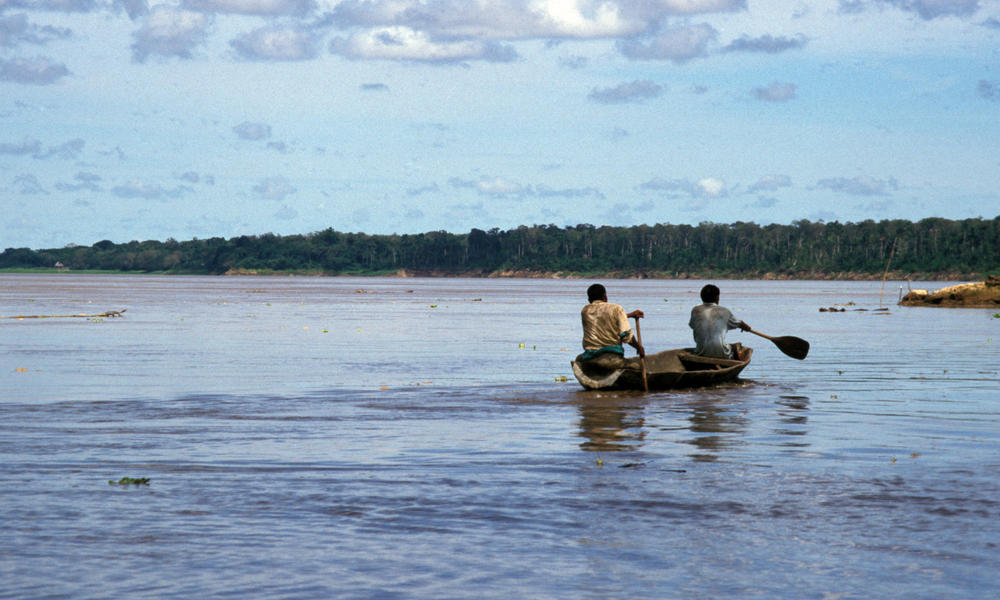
[130, 481]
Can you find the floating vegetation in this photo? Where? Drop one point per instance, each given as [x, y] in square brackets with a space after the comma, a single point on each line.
[996, 315]
[108, 314]
[130, 481]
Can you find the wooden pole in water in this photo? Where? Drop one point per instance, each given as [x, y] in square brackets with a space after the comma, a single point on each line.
[886, 274]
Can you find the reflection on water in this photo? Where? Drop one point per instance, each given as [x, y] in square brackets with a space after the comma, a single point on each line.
[611, 423]
[716, 428]
[305, 440]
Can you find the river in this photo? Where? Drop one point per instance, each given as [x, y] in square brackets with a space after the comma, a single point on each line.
[425, 438]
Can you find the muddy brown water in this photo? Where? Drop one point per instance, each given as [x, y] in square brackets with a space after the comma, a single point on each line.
[414, 438]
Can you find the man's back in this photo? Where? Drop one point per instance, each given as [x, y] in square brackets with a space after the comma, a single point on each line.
[603, 325]
[710, 322]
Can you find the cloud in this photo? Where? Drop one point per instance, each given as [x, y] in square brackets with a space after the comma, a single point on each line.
[543, 191]
[574, 62]
[766, 43]
[140, 189]
[634, 91]
[23, 148]
[274, 188]
[133, 8]
[252, 131]
[708, 187]
[169, 31]
[29, 185]
[68, 151]
[989, 90]
[926, 9]
[499, 186]
[765, 202]
[677, 45]
[65, 6]
[775, 92]
[419, 191]
[276, 43]
[769, 183]
[83, 182]
[36, 71]
[405, 44]
[521, 19]
[374, 87]
[264, 8]
[26, 147]
[859, 186]
[16, 29]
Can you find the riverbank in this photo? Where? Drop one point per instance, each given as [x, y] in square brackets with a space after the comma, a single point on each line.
[530, 274]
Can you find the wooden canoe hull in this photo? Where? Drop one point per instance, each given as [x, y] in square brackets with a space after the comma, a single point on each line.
[670, 369]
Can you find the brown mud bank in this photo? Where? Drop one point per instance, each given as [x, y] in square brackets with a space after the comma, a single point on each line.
[985, 294]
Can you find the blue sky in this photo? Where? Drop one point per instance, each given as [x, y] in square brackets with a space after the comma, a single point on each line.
[134, 120]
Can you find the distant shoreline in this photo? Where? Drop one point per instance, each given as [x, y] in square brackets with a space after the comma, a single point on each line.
[526, 274]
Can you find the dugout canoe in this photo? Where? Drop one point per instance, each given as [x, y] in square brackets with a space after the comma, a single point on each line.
[667, 370]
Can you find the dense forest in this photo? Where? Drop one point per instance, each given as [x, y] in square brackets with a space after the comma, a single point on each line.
[936, 248]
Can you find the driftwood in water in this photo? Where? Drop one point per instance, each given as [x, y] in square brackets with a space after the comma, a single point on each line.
[110, 313]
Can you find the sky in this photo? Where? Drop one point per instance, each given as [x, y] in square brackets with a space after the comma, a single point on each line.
[135, 120]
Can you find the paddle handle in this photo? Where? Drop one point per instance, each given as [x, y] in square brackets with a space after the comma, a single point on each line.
[642, 359]
[767, 337]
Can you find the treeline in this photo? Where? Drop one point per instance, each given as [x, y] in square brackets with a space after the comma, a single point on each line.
[930, 247]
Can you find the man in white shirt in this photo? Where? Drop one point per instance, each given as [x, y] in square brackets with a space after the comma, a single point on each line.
[710, 323]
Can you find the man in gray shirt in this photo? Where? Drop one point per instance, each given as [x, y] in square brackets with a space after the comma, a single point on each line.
[710, 323]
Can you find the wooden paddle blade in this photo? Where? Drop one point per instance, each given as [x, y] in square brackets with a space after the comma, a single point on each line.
[792, 346]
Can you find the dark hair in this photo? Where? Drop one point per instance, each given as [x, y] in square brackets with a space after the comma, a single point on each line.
[596, 292]
[710, 293]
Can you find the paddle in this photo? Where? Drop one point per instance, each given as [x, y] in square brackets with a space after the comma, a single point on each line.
[790, 345]
[642, 359]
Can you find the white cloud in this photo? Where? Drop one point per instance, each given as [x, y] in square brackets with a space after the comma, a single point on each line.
[711, 187]
[169, 31]
[404, 43]
[276, 43]
[499, 187]
[522, 19]
[708, 187]
[770, 183]
[677, 45]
